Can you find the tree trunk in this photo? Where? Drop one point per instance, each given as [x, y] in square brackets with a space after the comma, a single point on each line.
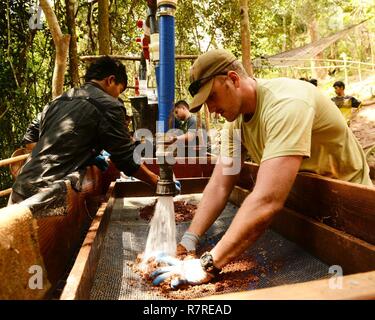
[314, 36]
[245, 37]
[61, 42]
[73, 55]
[104, 42]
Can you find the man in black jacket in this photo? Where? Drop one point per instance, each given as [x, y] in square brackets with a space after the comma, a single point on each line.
[75, 127]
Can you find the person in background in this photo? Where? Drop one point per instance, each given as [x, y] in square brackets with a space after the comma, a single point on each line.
[344, 102]
[186, 121]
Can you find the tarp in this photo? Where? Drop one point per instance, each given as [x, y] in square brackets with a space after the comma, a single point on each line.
[293, 57]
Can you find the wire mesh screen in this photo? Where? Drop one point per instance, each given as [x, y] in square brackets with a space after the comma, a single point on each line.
[278, 261]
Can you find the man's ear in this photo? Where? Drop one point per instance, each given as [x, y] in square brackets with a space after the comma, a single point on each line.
[110, 79]
[233, 75]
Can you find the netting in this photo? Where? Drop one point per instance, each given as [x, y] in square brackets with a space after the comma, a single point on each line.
[127, 234]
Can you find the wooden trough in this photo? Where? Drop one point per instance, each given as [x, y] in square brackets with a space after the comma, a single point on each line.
[331, 219]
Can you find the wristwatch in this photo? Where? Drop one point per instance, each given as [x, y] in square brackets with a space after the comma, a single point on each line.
[207, 263]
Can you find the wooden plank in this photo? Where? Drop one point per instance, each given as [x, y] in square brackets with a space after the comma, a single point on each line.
[141, 189]
[81, 277]
[359, 286]
[5, 192]
[346, 206]
[187, 167]
[13, 160]
[328, 244]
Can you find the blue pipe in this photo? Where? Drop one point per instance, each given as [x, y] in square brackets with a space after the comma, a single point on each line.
[166, 83]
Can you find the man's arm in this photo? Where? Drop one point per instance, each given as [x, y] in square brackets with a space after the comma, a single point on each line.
[146, 175]
[215, 197]
[186, 137]
[355, 103]
[31, 136]
[274, 181]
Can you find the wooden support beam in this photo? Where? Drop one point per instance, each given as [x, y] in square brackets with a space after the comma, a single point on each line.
[13, 160]
[346, 206]
[81, 277]
[141, 189]
[357, 286]
[5, 192]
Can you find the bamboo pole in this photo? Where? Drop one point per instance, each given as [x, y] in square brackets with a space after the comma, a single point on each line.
[6, 192]
[13, 160]
[132, 58]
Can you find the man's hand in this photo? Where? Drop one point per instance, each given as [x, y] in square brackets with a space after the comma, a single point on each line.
[170, 140]
[182, 272]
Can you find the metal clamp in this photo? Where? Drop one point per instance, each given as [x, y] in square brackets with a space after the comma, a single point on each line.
[166, 11]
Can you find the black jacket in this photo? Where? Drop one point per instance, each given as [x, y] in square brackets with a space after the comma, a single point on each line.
[73, 128]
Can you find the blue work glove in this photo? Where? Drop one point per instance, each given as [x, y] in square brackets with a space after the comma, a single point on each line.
[183, 272]
[178, 186]
[101, 162]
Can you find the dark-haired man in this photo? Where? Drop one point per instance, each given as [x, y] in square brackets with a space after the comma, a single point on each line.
[75, 127]
[344, 102]
[187, 122]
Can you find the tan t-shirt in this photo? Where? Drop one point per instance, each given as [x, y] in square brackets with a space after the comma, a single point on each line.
[293, 117]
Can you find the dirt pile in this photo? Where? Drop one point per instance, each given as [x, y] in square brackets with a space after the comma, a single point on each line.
[184, 211]
[240, 275]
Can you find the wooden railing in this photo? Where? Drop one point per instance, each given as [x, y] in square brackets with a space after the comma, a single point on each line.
[9, 161]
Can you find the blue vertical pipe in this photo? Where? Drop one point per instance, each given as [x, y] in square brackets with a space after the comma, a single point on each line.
[166, 70]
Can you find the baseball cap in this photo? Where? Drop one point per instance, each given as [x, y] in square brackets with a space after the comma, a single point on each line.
[205, 68]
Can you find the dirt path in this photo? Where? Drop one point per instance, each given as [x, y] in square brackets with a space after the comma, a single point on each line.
[363, 126]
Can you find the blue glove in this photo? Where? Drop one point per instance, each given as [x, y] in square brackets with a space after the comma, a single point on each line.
[178, 186]
[101, 162]
[183, 272]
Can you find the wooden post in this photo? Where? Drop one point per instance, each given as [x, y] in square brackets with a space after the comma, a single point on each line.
[207, 117]
[344, 58]
[245, 37]
[372, 39]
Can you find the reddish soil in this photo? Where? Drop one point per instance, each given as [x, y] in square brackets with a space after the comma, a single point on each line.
[238, 275]
[183, 211]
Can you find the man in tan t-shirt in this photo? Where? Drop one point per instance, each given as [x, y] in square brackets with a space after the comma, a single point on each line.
[286, 126]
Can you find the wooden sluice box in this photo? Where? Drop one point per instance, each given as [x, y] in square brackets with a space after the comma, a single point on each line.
[326, 227]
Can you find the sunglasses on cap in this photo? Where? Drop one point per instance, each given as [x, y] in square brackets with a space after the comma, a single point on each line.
[197, 84]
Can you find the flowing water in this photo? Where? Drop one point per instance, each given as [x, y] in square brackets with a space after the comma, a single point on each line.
[162, 232]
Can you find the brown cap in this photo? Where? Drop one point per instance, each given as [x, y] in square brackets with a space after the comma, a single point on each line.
[202, 73]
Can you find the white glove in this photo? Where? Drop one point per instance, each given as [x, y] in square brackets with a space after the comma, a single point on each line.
[189, 241]
[183, 272]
